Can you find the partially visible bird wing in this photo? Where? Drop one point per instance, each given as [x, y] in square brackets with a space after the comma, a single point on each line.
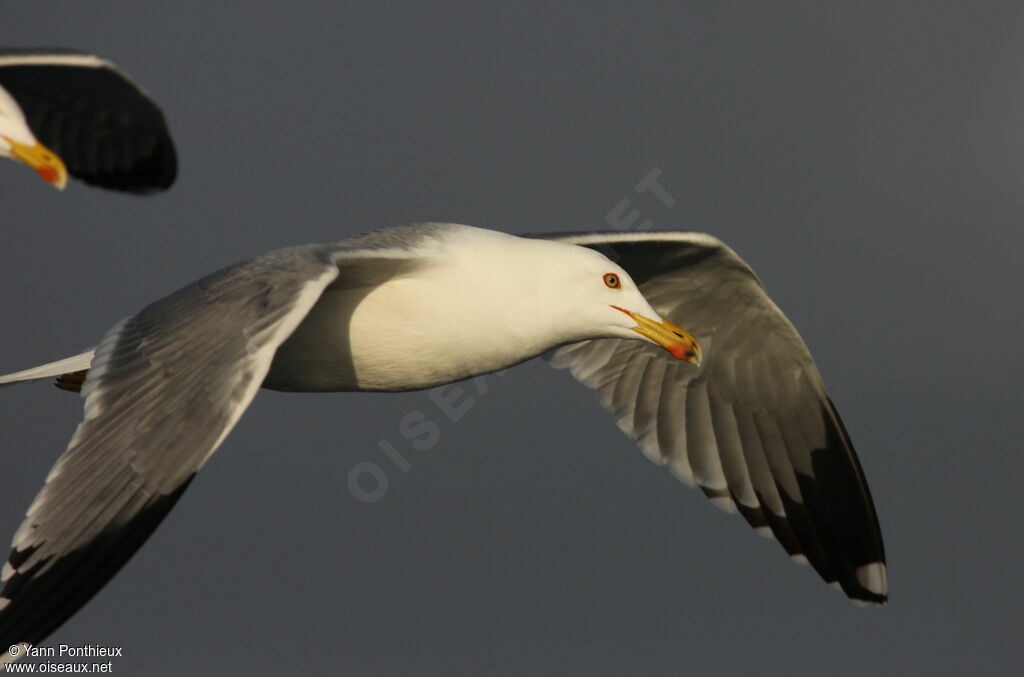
[164, 389]
[105, 128]
[753, 426]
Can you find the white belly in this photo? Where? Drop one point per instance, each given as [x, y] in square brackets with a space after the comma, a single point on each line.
[404, 334]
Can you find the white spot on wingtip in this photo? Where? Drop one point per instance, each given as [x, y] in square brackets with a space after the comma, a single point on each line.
[872, 577]
[799, 558]
[7, 572]
[766, 532]
[4, 602]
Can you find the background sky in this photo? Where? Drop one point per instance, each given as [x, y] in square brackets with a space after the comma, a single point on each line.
[866, 158]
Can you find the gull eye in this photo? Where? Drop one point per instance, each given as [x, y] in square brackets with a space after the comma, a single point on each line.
[612, 281]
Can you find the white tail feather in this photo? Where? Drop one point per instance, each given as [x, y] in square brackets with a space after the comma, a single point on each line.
[58, 368]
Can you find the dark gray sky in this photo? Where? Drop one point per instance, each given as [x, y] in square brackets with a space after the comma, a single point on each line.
[866, 158]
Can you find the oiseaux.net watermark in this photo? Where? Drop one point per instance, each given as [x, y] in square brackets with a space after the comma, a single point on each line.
[420, 430]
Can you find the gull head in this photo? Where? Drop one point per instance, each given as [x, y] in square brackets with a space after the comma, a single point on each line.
[18, 142]
[608, 303]
[553, 293]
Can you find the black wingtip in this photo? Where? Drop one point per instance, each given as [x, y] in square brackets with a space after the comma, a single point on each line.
[844, 515]
[36, 601]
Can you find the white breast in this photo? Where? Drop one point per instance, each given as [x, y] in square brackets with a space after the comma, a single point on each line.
[411, 332]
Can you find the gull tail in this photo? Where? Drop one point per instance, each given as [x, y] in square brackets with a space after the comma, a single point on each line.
[70, 372]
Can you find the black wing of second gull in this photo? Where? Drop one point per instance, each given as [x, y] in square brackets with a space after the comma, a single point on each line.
[753, 426]
[165, 388]
[104, 127]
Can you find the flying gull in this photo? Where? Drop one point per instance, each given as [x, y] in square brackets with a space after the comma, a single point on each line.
[63, 111]
[737, 408]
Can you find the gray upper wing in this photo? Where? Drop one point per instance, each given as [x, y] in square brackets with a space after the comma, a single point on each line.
[164, 389]
[753, 426]
[106, 129]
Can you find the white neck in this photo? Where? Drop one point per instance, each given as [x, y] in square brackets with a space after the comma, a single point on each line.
[12, 124]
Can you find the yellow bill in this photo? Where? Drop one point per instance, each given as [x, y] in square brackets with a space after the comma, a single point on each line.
[674, 339]
[40, 158]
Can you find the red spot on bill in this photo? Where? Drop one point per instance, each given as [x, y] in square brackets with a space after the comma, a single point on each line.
[49, 174]
[680, 352]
